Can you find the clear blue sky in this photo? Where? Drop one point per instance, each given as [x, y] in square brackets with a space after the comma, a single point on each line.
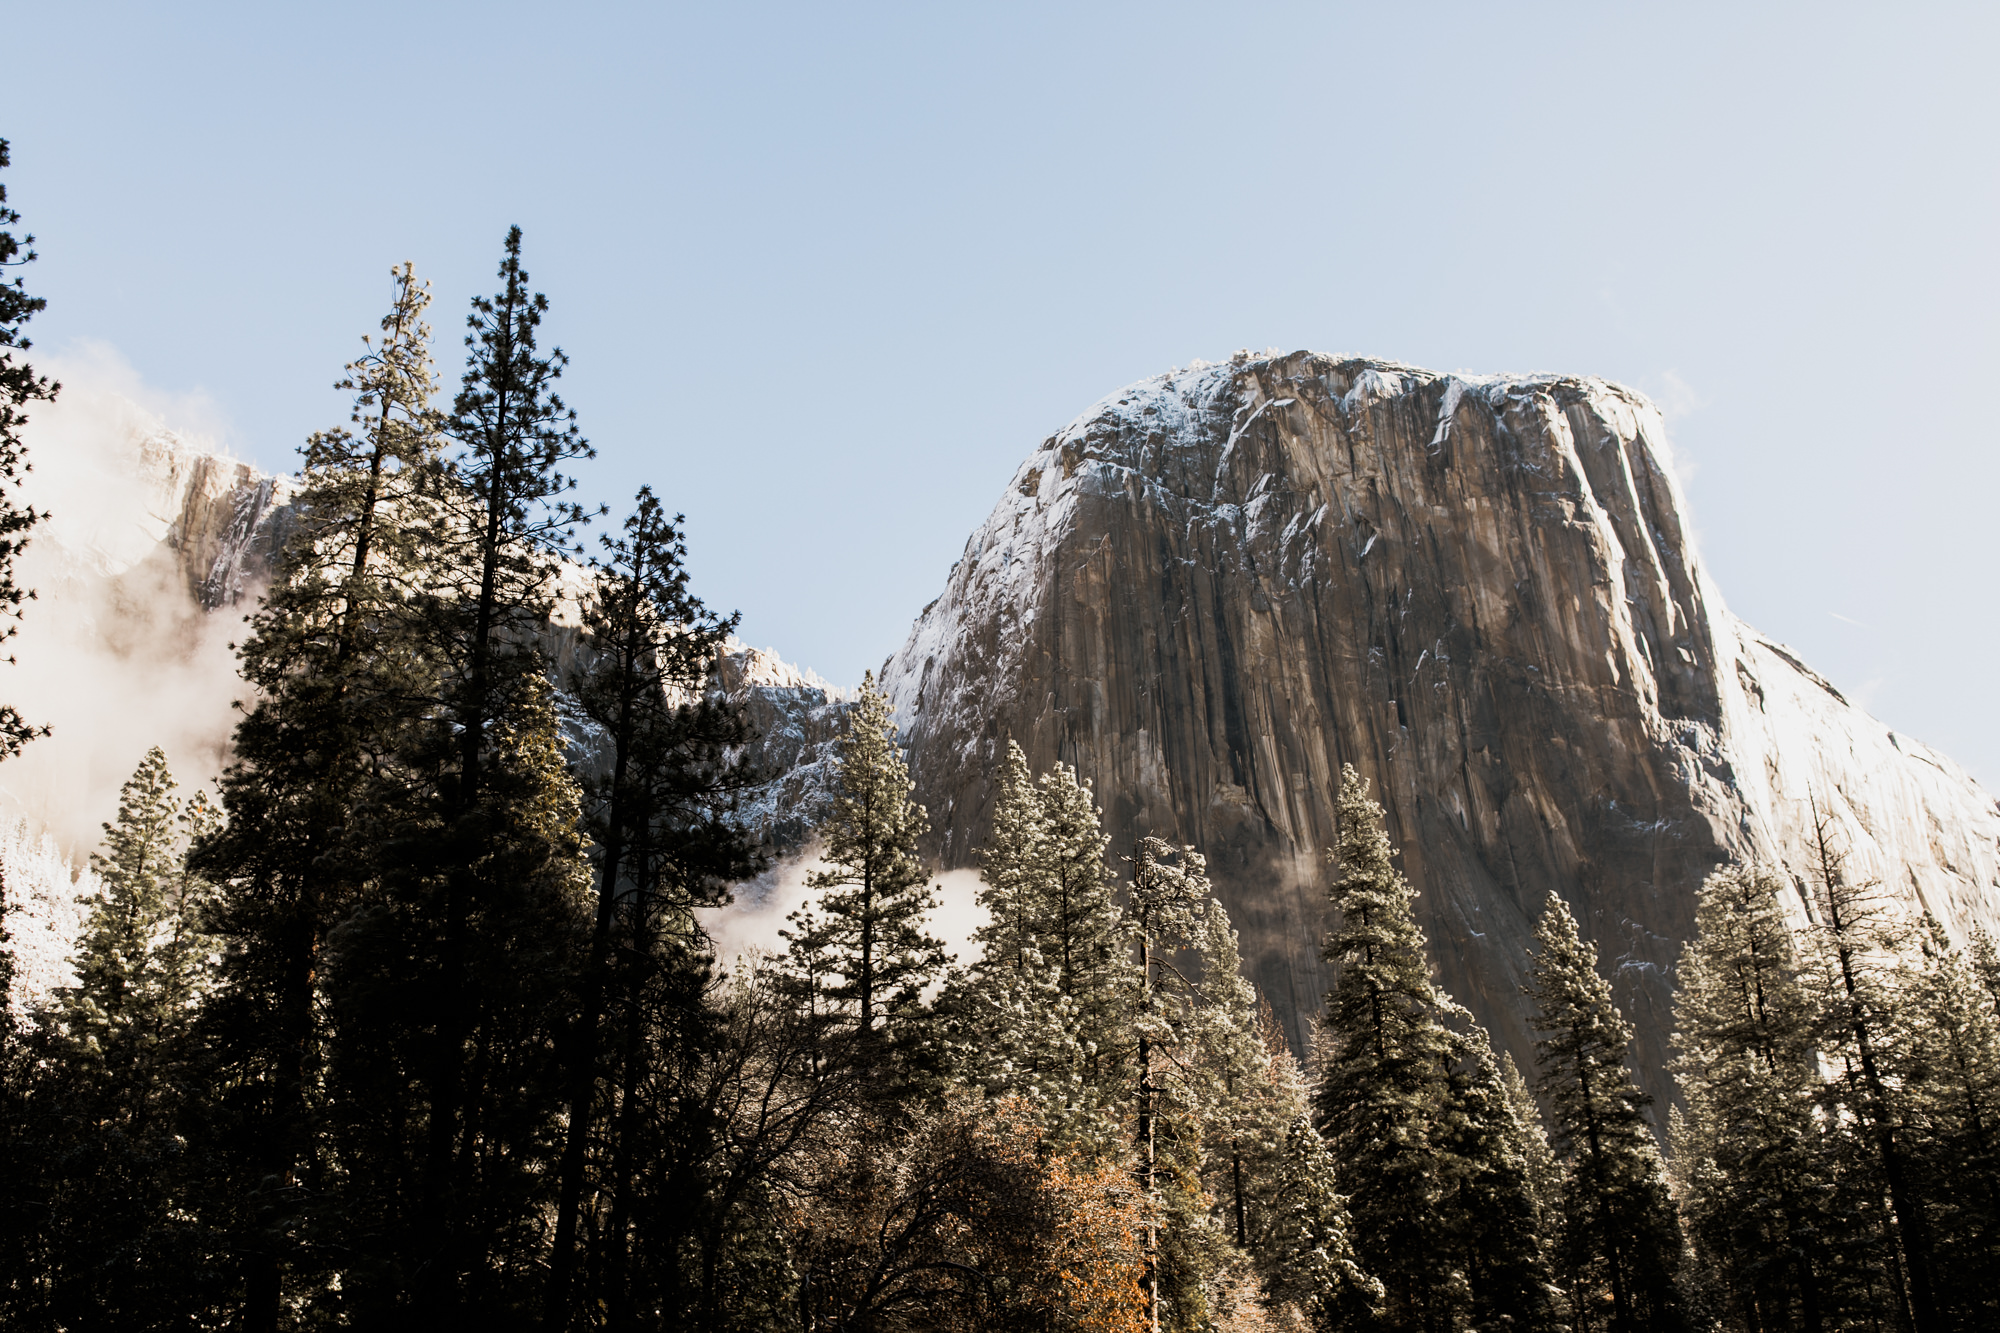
[827, 272]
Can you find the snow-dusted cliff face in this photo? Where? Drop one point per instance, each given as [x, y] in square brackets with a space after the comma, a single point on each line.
[1215, 587]
[796, 717]
[164, 505]
[1207, 593]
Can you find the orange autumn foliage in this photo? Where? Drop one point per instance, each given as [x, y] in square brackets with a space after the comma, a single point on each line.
[1094, 1254]
[964, 1222]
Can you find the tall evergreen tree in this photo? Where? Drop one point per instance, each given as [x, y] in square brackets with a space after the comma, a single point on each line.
[448, 986]
[1267, 1170]
[1746, 1146]
[340, 682]
[660, 806]
[1167, 904]
[1986, 961]
[1950, 1067]
[1856, 942]
[1247, 1093]
[1385, 1060]
[1044, 1004]
[1620, 1244]
[19, 386]
[1312, 1259]
[505, 517]
[1543, 1170]
[141, 961]
[1047, 883]
[1010, 888]
[117, 1244]
[875, 895]
[1493, 1212]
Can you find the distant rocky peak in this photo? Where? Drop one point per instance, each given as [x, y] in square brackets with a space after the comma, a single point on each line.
[1214, 588]
[1217, 586]
[221, 517]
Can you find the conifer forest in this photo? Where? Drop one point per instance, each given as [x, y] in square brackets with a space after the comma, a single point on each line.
[408, 1018]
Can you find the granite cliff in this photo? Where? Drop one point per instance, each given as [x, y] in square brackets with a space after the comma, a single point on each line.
[1215, 587]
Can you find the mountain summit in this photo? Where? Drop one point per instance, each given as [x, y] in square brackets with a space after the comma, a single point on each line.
[1207, 593]
[1215, 587]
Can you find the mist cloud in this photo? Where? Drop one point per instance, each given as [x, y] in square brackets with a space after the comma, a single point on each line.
[115, 653]
[749, 926]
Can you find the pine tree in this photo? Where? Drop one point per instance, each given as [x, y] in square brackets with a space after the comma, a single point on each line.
[140, 962]
[1010, 889]
[339, 677]
[1312, 1261]
[1543, 1170]
[1047, 882]
[1950, 1067]
[1620, 1244]
[1856, 941]
[1025, 1039]
[1266, 1169]
[117, 1244]
[1246, 1100]
[1746, 1147]
[1385, 1057]
[449, 985]
[505, 520]
[874, 897]
[19, 386]
[1493, 1212]
[1986, 961]
[660, 818]
[1043, 1006]
[1167, 904]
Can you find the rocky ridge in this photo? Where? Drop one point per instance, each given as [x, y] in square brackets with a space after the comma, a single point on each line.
[212, 521]
[1215, 587]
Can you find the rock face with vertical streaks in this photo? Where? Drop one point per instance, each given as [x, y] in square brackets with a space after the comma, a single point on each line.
[1217, 586]
[1213, 589]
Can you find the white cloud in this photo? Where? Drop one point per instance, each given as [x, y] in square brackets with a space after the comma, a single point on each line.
[1677, 400]
[115, 653]
[1676, 397]
[749, 926]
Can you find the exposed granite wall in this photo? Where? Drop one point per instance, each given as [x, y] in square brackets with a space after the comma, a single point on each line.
[1217, 586]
